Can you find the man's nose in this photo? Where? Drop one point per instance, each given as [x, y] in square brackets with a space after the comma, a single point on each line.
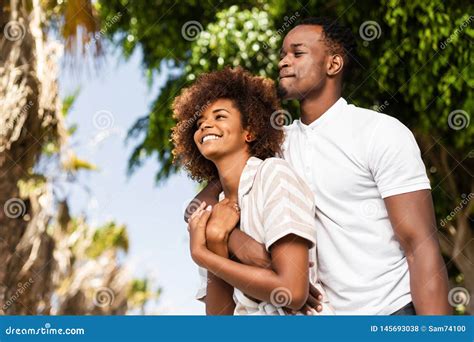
[283, 63]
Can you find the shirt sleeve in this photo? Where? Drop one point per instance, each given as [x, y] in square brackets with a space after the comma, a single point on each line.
[202, 290]
[288, 204]
[395, 159]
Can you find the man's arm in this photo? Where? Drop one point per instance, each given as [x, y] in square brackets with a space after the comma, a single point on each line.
[210, 195]
[412, 218]
[247, 250]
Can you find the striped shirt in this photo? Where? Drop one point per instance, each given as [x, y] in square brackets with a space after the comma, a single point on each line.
[274, 202]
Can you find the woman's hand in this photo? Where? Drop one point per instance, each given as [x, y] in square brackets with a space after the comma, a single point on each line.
[197, 232]
[225, 217]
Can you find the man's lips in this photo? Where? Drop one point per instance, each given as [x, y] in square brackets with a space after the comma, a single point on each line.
[286, 76]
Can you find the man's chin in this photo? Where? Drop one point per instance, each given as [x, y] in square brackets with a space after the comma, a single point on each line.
[285, 94]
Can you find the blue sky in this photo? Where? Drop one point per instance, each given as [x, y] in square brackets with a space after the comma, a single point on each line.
[153, 215]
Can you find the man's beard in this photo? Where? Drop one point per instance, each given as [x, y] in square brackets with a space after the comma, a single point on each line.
[282, 92]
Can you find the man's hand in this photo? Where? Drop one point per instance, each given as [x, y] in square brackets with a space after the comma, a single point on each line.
[225, 216]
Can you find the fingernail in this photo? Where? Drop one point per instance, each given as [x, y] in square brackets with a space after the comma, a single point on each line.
[209, 208]
[320, 297]
[319, 308]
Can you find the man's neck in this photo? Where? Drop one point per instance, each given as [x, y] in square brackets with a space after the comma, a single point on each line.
[313, 107]
[230, 169]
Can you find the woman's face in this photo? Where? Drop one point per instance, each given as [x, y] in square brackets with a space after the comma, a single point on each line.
[219, 131]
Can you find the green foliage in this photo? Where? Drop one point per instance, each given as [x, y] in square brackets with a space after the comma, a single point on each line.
[108, 237]
[238, 37]
[414, 62]
[33, 183]
[140, 293]
[416, 69]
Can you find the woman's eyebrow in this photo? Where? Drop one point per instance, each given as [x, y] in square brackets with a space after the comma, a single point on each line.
[219, 109]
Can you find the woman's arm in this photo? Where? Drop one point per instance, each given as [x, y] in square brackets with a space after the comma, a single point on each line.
[286, 285]
[219, 295]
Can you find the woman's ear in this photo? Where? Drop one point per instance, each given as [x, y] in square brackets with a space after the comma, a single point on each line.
[249, 137]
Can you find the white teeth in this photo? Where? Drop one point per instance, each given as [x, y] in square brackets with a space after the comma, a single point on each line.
[210, 137]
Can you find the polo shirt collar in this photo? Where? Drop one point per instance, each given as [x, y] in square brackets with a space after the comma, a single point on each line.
[247, 177]
[335, 108]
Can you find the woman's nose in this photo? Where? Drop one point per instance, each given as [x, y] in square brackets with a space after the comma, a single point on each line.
[206, 124]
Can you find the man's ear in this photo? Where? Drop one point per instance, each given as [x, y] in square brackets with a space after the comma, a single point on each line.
[335, 65]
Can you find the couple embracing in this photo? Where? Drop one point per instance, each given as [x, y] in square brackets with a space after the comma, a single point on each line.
[330, 215]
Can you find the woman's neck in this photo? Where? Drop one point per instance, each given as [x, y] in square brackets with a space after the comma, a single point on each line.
[230, 169]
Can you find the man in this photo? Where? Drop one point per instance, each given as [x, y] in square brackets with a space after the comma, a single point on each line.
[378, 251]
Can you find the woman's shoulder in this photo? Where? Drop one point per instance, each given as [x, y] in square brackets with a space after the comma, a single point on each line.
[275, 161]
[277, 166]
[272, 168]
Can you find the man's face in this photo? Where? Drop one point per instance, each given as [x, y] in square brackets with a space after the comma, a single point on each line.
[302, 63]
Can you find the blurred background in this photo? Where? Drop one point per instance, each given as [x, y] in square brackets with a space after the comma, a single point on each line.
[91, 218]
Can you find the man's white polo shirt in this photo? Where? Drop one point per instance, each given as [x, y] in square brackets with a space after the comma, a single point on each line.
[352, 158]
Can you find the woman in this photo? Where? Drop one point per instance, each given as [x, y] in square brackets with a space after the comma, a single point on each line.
[225, 132]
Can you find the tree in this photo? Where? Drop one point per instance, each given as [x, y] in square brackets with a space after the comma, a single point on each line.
[49, 264]
[413, 61]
